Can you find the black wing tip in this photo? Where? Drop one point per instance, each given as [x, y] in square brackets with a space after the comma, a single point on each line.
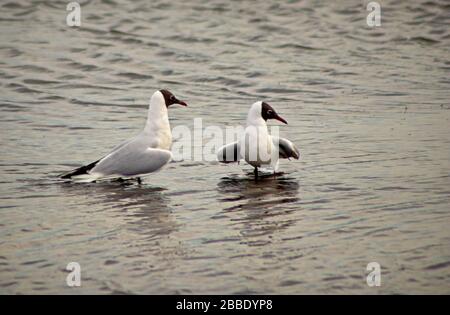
[226, 158]
[287, 149]
[79, 171]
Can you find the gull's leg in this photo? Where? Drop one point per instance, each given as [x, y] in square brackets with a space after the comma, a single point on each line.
[256, 172]
[139, 180]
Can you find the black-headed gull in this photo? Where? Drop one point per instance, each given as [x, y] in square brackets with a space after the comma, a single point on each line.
[147, 152]
[256, 145]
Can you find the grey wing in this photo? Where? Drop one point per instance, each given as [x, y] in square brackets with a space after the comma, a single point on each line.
[132, 159]
[86, 169]
[229, 153]
[121, 145]
[286, 148]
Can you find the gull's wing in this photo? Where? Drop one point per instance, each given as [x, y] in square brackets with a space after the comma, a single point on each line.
[286, 148]
[131, 144]
[86, 168]
[132, 159]
[229, 153]
[122, 145]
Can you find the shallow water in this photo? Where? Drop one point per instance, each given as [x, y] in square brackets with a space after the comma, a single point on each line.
[368, 108]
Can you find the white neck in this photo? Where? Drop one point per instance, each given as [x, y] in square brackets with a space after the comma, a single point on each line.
[157, 129]
[254, 117]
[157, 114]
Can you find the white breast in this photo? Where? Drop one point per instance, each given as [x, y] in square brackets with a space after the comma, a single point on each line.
[256, 146]
[157, 128]
[165, 138]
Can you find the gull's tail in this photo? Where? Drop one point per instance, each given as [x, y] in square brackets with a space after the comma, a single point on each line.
[79, 171]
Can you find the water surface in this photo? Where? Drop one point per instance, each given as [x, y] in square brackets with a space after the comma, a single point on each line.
[368, 108]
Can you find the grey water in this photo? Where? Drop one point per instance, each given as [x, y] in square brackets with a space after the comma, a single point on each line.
[368, 108]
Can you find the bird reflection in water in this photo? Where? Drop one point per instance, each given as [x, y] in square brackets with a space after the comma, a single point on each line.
[144, 208]
[263, 207]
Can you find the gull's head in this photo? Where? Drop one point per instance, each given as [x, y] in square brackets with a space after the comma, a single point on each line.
[170, 99]
[267, 112]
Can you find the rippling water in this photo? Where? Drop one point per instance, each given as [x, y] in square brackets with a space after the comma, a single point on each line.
[368, 108]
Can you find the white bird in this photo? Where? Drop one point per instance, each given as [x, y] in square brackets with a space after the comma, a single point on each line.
[256, 145]
[147, 152]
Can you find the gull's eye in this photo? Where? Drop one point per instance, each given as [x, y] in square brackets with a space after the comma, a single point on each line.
[269, 112]
[172, 98]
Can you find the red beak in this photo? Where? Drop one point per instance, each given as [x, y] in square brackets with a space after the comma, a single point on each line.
[278, 117]
[182, 103]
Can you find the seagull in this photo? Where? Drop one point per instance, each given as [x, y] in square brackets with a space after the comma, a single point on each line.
[256, 145]
[146, 153]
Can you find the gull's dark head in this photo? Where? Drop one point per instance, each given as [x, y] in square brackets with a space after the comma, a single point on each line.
[170, 99]
[267, 112]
